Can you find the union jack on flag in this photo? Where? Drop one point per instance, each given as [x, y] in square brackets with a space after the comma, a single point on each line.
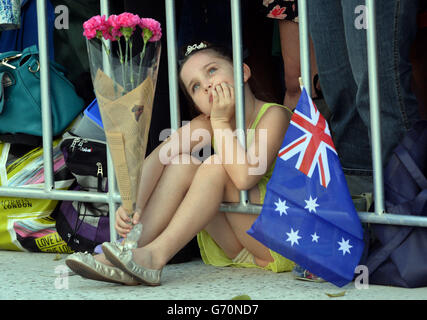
[312, 144]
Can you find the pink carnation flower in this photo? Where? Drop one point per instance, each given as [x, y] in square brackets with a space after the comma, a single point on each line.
[113, 28]
[153, 26]
[128, 20]
[93, 25]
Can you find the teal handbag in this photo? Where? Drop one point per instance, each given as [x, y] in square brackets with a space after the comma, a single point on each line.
[20, 102]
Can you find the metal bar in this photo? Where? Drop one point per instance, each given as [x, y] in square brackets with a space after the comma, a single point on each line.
[248, 208]
[395, 219]
[112, 195]
[365, 217]
[304, 45]
[172, 65]
[374, 100]
[112, 184]
[69, 195]
[105, 10]
[45, 95]
[236, 30]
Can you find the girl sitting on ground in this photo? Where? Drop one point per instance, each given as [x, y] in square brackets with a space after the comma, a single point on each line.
[180, 195]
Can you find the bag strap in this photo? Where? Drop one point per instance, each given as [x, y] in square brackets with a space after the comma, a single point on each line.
[410, 165]
[3, 160]
[376, 258]
[420, 203]
[2, 98]
[9, 54]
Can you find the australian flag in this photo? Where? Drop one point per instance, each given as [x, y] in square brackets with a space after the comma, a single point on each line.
[308, 215]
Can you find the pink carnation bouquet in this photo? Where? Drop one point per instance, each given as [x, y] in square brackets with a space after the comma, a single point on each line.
[123, 26]
[124, 82]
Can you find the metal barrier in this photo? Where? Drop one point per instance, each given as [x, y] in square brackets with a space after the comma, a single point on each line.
[112, 197]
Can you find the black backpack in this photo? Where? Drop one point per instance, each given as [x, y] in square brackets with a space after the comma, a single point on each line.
[398, 257]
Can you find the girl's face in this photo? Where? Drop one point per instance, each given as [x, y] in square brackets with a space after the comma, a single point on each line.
[201, 73]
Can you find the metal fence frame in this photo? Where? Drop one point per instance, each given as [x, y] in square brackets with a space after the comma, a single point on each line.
[112, 197]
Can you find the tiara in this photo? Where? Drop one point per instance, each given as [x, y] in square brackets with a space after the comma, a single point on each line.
[199, 46]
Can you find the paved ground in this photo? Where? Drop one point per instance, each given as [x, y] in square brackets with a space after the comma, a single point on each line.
[39, 276]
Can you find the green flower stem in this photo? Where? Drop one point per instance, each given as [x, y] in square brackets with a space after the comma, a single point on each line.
[126, 56]
[146, 35]
[105, 47]
[122, 63]
[107, 50]
[141, 57]
[131, 65]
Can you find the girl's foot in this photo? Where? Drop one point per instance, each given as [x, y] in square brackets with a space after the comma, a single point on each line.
[102, 259]
[85, 265]
[124, 259]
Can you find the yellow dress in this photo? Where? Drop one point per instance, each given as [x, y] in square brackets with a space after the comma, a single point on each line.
[212, 254]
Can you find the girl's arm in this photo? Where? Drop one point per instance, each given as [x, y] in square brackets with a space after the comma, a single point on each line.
[246, 168]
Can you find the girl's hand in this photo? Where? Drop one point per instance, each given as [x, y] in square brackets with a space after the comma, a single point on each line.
[222, 103]
[123, 222]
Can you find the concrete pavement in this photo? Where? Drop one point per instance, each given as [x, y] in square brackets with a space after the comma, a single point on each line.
[41, 276]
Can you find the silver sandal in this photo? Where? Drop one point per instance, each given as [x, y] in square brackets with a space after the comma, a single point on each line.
[85, 265]
[123, 259]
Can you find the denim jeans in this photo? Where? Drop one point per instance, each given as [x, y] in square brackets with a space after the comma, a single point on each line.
[341, 51]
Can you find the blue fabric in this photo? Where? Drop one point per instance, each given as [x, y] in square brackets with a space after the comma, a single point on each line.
[341, 54]
[308, 215]
[26, 36]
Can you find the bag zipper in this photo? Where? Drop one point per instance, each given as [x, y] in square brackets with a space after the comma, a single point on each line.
[100, 175]
[73, 144]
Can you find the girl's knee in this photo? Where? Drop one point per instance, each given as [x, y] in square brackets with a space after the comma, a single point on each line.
[184, 159]
[213, 165]
[213, 159]
[183, 165]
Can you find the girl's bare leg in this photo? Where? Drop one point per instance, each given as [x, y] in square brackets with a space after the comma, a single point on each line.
[167, 196]
[240, 223]
[220, 230]
[198, 208]
[168, 193]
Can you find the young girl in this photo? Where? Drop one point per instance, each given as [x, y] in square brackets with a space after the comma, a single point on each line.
[181, 195]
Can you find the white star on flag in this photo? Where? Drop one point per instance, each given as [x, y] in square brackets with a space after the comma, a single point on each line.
[344, 246]
[281, 207]
[311, 204]
[293, 237]
[315, 237]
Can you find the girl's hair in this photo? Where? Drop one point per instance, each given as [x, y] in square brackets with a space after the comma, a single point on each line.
[186, 52]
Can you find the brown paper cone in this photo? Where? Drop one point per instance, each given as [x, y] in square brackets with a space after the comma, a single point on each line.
[126, 121]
